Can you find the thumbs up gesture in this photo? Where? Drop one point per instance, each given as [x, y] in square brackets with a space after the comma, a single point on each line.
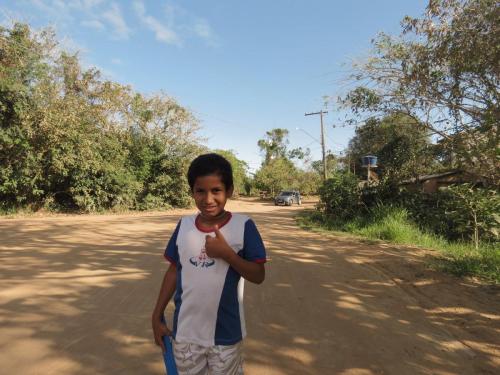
[217, 247]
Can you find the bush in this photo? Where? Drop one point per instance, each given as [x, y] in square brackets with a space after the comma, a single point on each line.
[340, 197]
[70, 140]
[389, 223]
[473, 212]
[428, 211]
[460, 212]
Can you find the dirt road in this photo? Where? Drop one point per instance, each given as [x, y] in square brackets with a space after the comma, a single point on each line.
[76, 294]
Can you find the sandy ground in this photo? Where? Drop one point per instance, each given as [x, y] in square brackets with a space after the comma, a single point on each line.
[76, 294]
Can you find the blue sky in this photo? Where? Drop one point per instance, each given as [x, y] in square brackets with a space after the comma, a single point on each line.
[242, 67]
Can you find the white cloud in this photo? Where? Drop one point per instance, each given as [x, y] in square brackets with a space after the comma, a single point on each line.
[188, 24]
[41, 5]
[162, 32]
[58, 4]
[86, 5]
[116, 61]
[93, 24]
[173, 26]
[115, 19]
[202, 29]
[56, 11]
[170, 11]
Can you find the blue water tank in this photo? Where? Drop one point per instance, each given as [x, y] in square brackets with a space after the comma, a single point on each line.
[369, 161]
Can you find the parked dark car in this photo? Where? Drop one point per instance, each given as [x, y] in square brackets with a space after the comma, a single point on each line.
[287, 198]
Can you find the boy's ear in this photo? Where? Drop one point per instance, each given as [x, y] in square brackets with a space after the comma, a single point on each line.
[230, 192]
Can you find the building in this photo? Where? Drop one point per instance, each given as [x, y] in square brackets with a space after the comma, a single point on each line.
[432, 182]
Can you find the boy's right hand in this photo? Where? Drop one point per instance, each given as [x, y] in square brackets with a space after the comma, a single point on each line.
[160, 330]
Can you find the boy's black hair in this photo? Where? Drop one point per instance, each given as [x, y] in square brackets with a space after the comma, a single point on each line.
[208, 164]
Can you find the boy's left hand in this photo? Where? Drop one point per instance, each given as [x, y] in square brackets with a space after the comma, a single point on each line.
[217, 247]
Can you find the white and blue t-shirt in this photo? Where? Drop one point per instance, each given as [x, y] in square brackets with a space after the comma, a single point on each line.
[209, 293]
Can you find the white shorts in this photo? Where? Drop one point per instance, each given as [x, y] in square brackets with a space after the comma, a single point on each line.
[192, 359]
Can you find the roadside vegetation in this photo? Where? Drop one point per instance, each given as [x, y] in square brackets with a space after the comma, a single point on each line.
[279, 170]
[73, 141]
[426, 102]
[395, 223]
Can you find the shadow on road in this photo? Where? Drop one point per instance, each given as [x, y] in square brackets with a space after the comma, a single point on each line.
[77, 294]
[336, 306]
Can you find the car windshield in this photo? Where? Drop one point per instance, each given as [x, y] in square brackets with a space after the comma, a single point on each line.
[286, 193]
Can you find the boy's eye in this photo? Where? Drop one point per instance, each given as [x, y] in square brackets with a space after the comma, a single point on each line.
[214, 190]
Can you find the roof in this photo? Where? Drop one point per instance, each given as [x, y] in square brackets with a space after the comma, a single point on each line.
[426, 177]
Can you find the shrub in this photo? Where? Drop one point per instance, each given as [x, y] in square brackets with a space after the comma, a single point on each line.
[340, 197]
[72, 140]
[473, 212]
[460, 212]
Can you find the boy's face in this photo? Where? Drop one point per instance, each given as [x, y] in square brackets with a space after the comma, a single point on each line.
[210, 195]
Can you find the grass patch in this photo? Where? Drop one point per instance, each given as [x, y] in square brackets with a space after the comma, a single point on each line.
[391, 224]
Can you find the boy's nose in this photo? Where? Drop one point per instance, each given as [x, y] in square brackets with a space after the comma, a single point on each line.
[209, 198]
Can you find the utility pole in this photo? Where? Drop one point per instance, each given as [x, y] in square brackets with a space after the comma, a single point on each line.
[320, 113]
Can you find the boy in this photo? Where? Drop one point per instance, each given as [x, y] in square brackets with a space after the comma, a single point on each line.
[209, 253]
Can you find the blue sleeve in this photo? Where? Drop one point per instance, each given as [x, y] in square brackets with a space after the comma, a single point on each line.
[253, 247]
[172, 251]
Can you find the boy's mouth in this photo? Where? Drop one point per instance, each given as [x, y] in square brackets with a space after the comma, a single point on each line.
[210, 208]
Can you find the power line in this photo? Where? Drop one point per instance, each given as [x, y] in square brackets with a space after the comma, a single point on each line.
[320, 113]
[309, 134]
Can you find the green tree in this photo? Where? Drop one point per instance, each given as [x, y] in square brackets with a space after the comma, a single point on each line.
[240, 168]
[443, 71]
[23, 67]
[402, 146]
[340, 197]
[474, 211]
[308, 182]
[332, 163]
[70, 139]
[278, 174]
[274, 145]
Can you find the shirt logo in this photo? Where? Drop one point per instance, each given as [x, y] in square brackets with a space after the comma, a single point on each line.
[202, 260]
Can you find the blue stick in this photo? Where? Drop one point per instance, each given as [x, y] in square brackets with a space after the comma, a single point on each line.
[168, 356]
